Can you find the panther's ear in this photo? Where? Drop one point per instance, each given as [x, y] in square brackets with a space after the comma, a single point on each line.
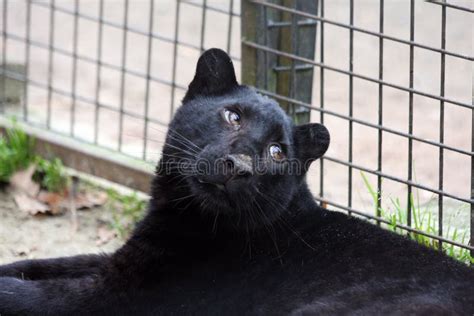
[215, 75]
[311, 142]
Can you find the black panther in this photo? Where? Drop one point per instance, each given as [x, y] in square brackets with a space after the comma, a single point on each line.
[232, 229]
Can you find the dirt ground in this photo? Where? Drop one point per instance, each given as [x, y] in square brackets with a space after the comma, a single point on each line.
[23, 236]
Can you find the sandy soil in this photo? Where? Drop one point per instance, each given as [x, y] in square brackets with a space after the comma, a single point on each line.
[23, 236]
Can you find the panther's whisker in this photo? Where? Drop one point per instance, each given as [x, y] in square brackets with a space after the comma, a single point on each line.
[283, 221]
[182, 198]
[175, 137]
[214, 226]
[270, 230]
[187, 146]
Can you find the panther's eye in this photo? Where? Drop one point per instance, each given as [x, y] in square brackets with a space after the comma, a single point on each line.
[276, 152]
[232, 118]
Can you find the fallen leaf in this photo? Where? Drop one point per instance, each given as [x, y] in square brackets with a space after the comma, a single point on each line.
[104, 235]
[89, 200]
[60, 202]
[55, 201]
[31, 199]
[22, 181]
[98, 198]
[29, 204]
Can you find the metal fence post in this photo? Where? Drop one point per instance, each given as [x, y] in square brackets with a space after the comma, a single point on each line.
[4, 58]
[472, 176]
[286, 32]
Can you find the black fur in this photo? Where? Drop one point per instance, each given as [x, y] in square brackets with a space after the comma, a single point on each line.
[242, 240]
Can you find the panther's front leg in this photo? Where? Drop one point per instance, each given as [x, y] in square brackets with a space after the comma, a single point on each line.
[43, 269]
[78, 296]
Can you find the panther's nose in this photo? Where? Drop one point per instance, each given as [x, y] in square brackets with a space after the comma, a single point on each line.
[239, 164]
[230, 167]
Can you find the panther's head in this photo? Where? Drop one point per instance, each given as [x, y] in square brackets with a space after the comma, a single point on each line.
[233, 151]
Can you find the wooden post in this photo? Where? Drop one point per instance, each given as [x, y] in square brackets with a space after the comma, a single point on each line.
[286, 32]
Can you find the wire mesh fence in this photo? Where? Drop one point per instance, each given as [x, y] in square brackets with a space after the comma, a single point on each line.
[392, 80]
[82, 57]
